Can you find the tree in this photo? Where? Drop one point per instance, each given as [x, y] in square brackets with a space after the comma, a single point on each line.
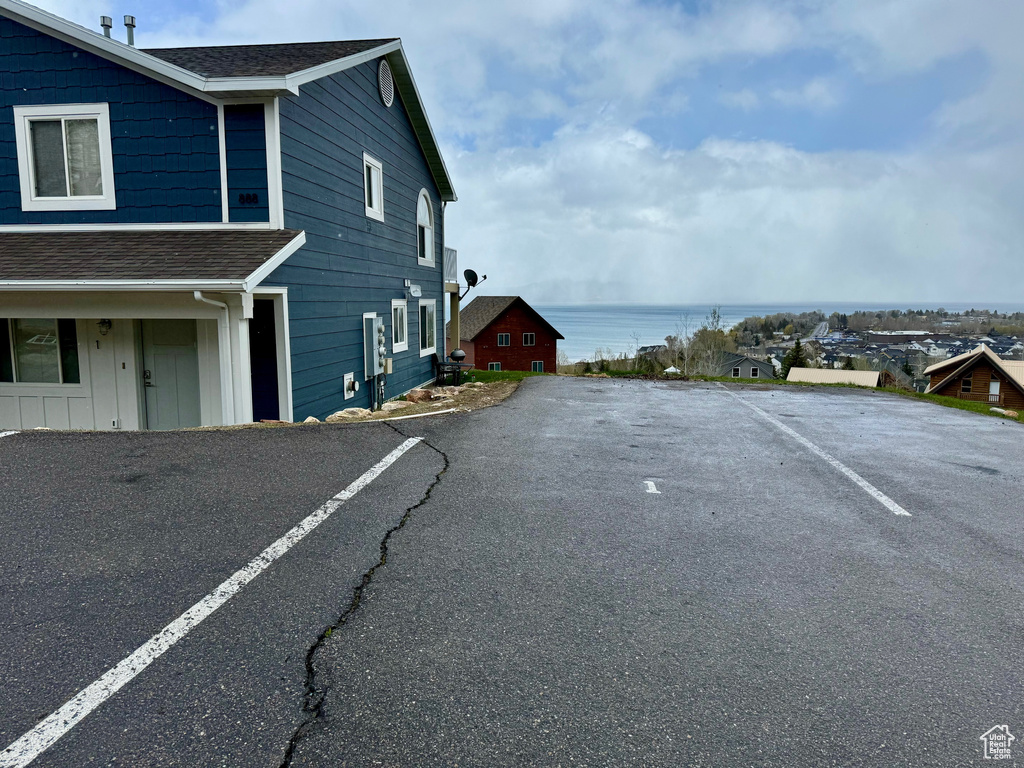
[793, 359]
[848, 364]
[908, 369]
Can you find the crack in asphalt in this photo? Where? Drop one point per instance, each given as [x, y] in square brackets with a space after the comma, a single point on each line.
[314, 699]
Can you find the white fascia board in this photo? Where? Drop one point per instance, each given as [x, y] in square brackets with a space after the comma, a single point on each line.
[273, 263]
[410, 95]
[232, 286]
[164, 227]
[106, 47]
[340, 65]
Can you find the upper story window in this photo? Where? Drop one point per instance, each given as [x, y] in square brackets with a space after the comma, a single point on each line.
[64, 157]
[424, 230]
[373, 176]
[504, 339]
[529, 339]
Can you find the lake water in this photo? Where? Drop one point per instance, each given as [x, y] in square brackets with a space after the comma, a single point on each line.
[612, 326]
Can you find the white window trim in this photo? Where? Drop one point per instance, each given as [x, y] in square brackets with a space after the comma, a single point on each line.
[420, 258]
[532, 343]
[419, 323]
[509, 339]
[403, 346]
[23, 115]
[534, 364]
[736, 372]
[754, 372]
[371, 162]
[490, 366]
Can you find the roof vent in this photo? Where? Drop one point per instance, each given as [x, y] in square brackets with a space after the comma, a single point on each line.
[106, 22]
[129, 23]
[386, 83]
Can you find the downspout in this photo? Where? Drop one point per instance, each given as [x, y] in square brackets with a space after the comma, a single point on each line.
[227, 402]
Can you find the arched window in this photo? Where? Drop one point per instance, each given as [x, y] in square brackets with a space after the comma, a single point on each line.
[424, 230]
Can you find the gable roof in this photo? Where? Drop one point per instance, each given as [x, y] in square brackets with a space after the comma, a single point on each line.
[241, 71]
[221, 259]
[484, 310]
[274, 60]
[957, 366]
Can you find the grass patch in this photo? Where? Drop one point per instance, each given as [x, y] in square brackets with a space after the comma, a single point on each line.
[488, 376]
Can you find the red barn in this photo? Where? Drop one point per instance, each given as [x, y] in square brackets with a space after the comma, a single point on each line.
[504, 333]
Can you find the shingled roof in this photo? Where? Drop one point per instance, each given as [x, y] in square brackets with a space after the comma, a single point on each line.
[223, 255]
[484, 310]
[275, 60]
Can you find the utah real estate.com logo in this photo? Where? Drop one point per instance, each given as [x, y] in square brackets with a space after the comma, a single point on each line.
[997, 742]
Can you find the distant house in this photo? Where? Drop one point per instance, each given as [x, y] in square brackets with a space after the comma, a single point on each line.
[831, 376]
[981, 376]
[504, 333]
[743, 367]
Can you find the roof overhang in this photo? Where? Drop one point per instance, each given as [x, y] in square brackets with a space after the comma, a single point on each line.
[244, 285]
[214, 89]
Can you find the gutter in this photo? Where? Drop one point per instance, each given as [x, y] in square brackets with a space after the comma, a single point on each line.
[224, 353]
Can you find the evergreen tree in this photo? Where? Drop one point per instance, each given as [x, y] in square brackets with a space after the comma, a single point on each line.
[793, 359]
[848, 364]
[907, 369]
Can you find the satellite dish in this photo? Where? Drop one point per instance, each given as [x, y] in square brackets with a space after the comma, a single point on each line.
[471, 278]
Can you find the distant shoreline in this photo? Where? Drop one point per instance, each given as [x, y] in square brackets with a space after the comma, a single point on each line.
[612, 327]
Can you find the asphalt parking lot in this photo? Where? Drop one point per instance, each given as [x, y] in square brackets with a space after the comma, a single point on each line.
[596, 572]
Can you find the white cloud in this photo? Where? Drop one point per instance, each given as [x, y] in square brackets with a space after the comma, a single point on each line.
[616, 217]
[817, 94]
[744, 99]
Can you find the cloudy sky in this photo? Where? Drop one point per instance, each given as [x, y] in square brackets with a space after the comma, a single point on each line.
[702, 150]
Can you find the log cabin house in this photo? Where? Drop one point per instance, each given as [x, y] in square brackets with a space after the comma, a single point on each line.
[981, 376]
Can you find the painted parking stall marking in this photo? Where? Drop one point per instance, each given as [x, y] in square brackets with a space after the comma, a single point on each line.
[47, 732]
[651, 487]
[884, 500]
[8, 434]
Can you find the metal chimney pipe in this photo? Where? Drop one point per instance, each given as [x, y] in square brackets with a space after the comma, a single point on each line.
[129, 22]
[106, 22]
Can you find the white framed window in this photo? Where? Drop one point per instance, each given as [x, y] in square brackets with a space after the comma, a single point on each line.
[537, 366]
[529, 339]
[399, 325]
[428, 327]
[373, 187]
[753, 372]
[64, 158]
[38, 351]
[735, 373]
[504, 339]
[424, 230]
[494, 366]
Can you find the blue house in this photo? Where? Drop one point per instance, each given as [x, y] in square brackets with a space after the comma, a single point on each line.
[213, 235]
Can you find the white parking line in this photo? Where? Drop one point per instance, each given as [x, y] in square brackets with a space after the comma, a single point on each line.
[35, 742]
[888, 503]
[651, 487]
[8, 434]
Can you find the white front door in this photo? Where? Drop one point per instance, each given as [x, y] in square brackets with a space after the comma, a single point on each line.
[171, 375]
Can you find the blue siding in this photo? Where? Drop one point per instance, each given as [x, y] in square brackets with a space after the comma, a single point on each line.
[245, 141]
[351, 264]
[165, 144]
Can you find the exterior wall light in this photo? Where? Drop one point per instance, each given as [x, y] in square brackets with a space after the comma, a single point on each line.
[104, 326]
